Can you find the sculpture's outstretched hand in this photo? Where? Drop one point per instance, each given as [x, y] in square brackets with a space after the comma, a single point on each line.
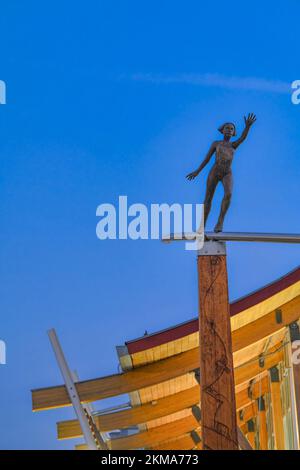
[250, 119]
[193, 175]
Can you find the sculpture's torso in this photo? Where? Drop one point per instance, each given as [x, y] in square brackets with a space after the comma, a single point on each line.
[224, 157]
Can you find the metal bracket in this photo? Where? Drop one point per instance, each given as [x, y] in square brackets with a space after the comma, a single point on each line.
[261, 404]
[197, 375]
[196, 413]
[294, 331]
[274, 374]
[261, 361]
[278, 316]
[196, 438]
[250, 389]
[212, 248]
[250, 426]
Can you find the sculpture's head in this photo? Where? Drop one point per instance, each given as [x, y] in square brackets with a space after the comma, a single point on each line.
[228, 129]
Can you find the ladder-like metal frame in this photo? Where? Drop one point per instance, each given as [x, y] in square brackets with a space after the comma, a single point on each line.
[91, 435]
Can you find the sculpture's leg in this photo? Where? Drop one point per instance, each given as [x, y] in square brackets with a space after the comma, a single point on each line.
[227, 184]
[211, 184]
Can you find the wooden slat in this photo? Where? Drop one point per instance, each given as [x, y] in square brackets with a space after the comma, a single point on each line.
[277, 413]
[295, 364]
[251, 411]
[81, 447]
[105, 387]
[154, 436]
[71, 429]
[184, 442]
[262, 425]
[218, 409]
[248, 412]
[137, 415]
[177, 402]
[261, 386]
[296, 385]
[265, 326]
[245, 372]
[145, 376]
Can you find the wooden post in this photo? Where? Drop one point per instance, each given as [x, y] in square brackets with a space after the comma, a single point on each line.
[262, 424]
[295, 383]
[218, 408]
[277, 413]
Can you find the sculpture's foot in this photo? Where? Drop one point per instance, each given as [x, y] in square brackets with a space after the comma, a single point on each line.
[218, 227]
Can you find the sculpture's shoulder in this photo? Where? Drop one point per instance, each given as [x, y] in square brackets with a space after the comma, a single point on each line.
[221, 143]
[215, 143]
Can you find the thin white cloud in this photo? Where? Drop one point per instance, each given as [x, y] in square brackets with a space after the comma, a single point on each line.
[217, 80]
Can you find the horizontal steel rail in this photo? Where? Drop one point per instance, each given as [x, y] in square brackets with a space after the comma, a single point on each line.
[235, 237]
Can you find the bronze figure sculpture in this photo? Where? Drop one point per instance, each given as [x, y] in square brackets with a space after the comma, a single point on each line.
[221, 170]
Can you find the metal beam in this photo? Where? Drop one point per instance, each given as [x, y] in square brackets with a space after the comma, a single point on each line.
[93, 442]
[236, 237]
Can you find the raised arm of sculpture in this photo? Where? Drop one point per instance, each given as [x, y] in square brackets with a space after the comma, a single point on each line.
[249, 120]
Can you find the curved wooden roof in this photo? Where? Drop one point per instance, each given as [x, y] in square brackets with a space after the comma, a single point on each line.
[241, 305]
[159, 372]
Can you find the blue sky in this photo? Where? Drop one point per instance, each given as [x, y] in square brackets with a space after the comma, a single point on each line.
[106, 98]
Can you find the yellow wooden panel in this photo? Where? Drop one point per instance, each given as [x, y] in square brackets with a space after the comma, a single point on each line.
[104, 387]
[259, 387]
[184, 442]
[136, 415]
[263, 308]
[154, 436]
[249, 412]
[169, 418]
[277, 415]
[241, 319]
[246, 371]
[81, 447]
[161, 390]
